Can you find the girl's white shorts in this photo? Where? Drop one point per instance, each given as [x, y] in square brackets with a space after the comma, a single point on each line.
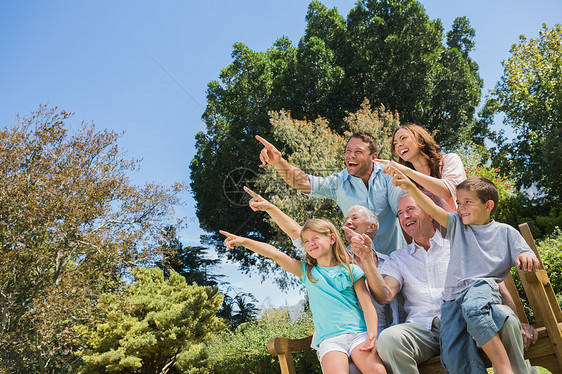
[342, 343]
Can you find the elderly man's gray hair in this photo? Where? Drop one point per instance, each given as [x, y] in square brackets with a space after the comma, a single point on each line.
[371, 216]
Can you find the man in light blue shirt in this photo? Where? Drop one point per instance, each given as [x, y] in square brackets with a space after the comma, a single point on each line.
[361, 183]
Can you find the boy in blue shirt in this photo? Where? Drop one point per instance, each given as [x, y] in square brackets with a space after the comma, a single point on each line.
[482, 253]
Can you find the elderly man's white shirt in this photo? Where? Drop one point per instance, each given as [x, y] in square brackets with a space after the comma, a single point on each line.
[421, 275]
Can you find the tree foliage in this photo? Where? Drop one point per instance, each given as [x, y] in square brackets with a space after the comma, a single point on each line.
[70, 225]
[529, 95]
[238, 309]
[386, 51]
[157, 325]
[190, 262]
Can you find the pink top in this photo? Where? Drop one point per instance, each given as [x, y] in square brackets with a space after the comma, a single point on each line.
[452, 173]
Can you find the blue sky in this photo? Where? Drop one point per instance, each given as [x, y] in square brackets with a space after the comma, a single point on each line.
[120, 64]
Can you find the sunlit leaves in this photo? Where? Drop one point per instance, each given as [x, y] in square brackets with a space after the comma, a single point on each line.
[155, 323]
[71, 224]
[529, 94]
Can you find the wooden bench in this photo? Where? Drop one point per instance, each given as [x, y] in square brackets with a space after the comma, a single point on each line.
[546, 352]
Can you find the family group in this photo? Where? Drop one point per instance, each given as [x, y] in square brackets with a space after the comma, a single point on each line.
[381, 305]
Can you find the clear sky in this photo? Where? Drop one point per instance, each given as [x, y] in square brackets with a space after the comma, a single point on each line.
[142, 67]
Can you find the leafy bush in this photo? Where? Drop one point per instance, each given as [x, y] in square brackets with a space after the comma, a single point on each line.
[245, 349]
[551, 256]
[515, 207]
[155, 325]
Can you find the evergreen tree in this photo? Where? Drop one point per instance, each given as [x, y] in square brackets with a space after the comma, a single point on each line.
[387, 51]
[156, 324]
[190, 262]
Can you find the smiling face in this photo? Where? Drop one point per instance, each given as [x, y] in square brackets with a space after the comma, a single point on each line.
[414, 221]
[318, 246]
[359, 159]
[357, 221]
[471, 209]
[405, 145]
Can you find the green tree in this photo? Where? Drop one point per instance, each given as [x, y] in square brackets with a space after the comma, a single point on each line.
[399, 60]
[238, 309]
[190, 262]
[529, 95]
[386, 51]
[70, 225]
[156, 324]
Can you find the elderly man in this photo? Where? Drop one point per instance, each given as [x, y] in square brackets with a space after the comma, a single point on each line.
[419, 271]
[361, 183]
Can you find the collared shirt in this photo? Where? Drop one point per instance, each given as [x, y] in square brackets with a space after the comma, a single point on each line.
[381, 197]
[421, 275]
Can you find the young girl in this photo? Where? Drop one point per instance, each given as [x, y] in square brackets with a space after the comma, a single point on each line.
[334, 286]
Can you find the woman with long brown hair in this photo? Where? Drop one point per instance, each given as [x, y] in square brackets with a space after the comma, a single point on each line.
[419, 157]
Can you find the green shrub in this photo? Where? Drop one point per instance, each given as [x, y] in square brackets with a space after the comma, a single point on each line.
[550, 250]
[551, 256]
[154, 324]
[245, 349]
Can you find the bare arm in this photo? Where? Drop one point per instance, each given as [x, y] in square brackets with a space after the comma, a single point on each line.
[286, 223]
[290, 264]
[439, 214]
[294, 176]
[369, 312]
[434, 185]
[383, 289]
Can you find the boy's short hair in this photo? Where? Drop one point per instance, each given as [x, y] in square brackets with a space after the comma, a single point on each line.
[484, 189]
[367, 138]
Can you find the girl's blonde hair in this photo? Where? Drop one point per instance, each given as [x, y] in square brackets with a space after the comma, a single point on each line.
[340, 254]
[429, 148]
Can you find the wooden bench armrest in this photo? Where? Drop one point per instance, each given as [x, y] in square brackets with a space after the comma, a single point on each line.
[280, 345]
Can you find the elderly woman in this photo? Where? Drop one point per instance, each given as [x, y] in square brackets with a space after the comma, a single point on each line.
[421, 160]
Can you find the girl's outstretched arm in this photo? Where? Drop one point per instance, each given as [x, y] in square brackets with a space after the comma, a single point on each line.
[267, 250]
[369, 312]
[285, 223]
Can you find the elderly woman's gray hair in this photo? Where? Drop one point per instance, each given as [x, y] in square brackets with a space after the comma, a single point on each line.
[371, 216]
